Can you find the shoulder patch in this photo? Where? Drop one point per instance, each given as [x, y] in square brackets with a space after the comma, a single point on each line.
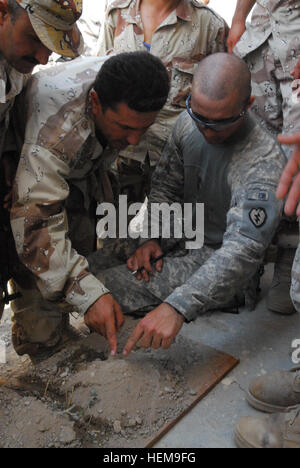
[258, 217]
[261, 215]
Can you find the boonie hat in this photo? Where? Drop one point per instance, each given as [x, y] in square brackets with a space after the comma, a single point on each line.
[54, 21]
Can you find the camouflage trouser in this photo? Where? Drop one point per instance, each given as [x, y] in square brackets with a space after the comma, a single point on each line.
[272, 89]
[39, 323]
[132, 178]
[139, 297]
[295, 288]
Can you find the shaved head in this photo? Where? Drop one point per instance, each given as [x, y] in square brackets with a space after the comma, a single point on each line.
[221, 75]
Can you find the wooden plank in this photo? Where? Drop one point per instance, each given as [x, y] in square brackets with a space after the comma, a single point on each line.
[204, 378]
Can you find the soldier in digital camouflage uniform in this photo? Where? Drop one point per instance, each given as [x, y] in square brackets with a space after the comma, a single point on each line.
[28, 34]
[71, 139]
[190, 32]
[232, 166]
[271, 47]
[278, 392]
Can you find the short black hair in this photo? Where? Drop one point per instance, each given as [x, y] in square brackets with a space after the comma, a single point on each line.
[14, 9]
[138, 79]
[221, 74]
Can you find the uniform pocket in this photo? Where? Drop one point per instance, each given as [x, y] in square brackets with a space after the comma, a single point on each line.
[182, 74]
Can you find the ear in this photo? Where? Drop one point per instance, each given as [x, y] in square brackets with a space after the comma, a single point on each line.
[96, 104]
[251, 101]
[3, 11]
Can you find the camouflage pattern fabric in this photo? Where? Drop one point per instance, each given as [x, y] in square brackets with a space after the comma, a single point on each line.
[271, 48]
[54, 21]
[7, 99]
[90, 24]
[38, 322]
[60, 152]
[295, 288]
[140, 297]
[242, 212]
[188, 34]
[17, 82]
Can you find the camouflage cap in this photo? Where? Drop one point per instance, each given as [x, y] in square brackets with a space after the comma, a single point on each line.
[54, 21]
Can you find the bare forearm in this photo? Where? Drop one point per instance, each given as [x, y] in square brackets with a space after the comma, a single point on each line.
[242, 10]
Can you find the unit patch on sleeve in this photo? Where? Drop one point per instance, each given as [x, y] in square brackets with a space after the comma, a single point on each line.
[258, 217]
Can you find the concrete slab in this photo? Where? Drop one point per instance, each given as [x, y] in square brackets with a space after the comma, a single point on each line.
[263, 342]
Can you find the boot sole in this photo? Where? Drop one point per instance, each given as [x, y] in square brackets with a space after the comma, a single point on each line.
[281, 312]
[266, 407]
[241, 442]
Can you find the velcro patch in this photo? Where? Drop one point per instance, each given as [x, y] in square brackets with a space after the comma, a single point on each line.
[261, 215]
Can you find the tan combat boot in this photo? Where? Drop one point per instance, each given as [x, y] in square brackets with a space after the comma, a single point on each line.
[281, 430]
[279, 298]
[277, 392]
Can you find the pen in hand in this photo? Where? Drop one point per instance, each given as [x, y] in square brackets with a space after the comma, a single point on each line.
[153, 261]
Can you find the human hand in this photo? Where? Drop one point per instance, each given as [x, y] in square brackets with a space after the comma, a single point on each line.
[105, 317]
[156, 330]
[142, 258]
[235, 33]
[296, 72]
[290, 179]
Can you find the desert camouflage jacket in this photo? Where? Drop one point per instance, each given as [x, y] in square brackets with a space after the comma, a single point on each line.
[60, 147]
[90, 23]
[13, 81]
[278, 21]
[237, 183]
[188, 34]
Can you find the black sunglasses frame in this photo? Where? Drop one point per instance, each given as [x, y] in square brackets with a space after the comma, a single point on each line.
[217, 125]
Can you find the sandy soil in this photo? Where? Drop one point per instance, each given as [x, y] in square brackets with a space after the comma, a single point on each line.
[82, 397]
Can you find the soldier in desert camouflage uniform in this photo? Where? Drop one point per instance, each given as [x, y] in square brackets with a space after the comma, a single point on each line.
[183, 34]
[233, 167]
[278, 392]
[28, 35]
[90, 24]
[271, 47]
[71, 139]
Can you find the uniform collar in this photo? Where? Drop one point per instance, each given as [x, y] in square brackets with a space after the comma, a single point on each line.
[183, 11]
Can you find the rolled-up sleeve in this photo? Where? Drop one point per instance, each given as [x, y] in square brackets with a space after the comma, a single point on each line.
[40, 228]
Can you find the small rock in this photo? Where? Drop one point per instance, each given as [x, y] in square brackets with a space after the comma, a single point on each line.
[131, 422]
[228, 381]
[94, 392]
[193, 392]
[67, 435]
[139, 421]
[168, 390]
[117, 427]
